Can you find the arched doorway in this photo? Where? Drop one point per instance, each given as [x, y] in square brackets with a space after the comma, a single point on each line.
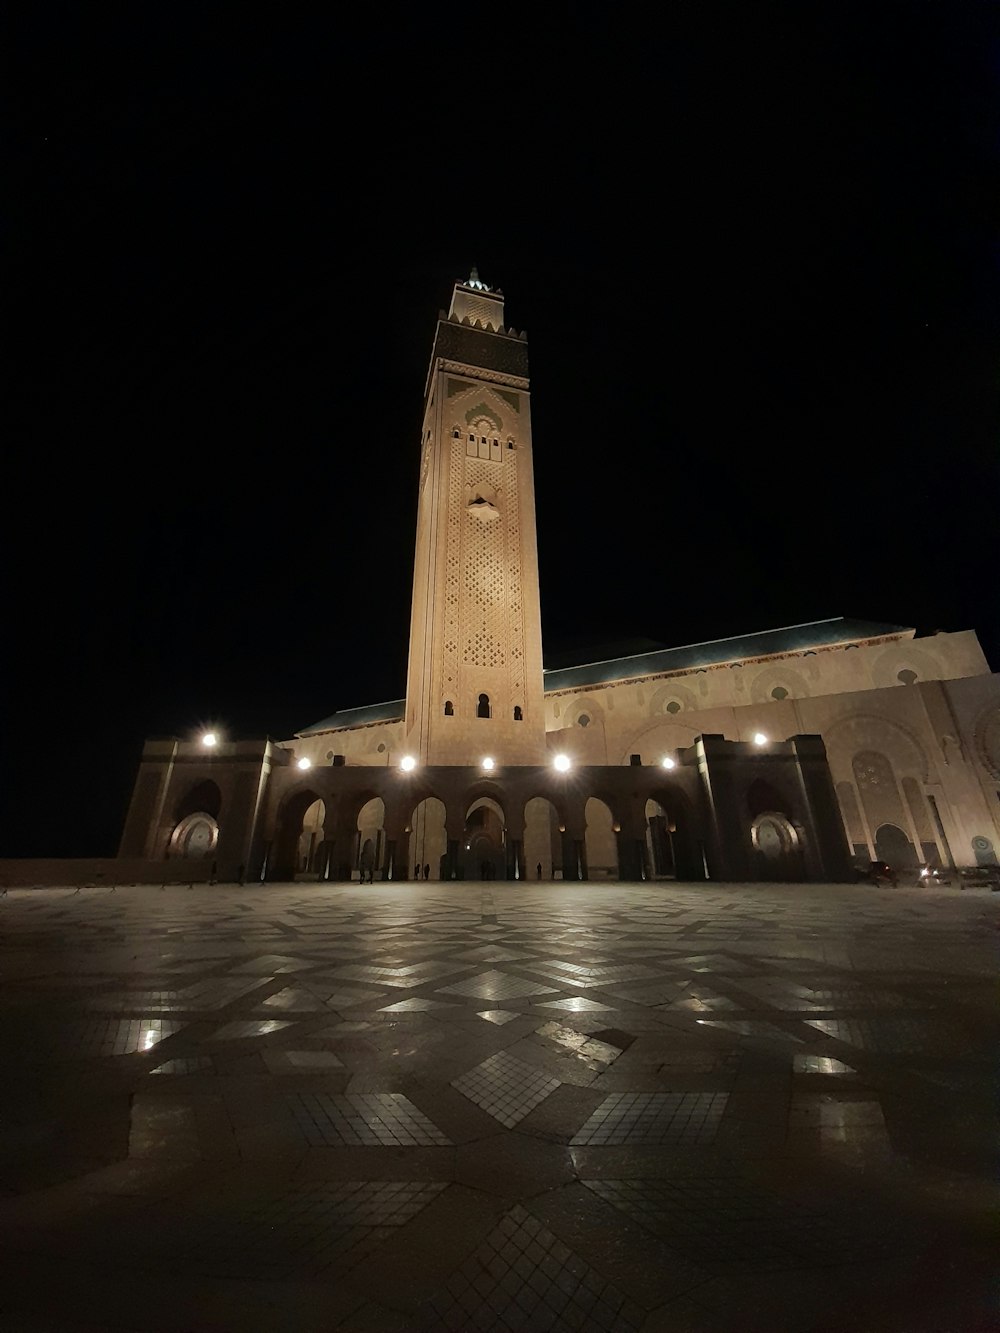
[290, 835]
[601, 840]
[673, 850]
[774, 839]
[483, 849]
[371, 839]
[777, 851]
[195, 838]
[892, 845]
[311, 840]
[195, 835]
[660, 831]
[542, 840]
[428, 841]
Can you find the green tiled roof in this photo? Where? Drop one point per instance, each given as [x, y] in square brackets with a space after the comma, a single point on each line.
[691, 657]
[791, 639]
[358, 717]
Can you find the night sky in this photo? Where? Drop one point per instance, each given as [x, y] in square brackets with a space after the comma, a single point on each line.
[755, 252]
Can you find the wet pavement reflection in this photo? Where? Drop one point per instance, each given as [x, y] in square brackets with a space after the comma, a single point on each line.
[611, 1107]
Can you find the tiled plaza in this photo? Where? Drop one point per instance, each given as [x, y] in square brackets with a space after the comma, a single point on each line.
[429, 1107]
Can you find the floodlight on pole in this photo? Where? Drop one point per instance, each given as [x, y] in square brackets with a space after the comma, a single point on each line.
[759, 738]
[667, 762]
[304, 763]
[562, 763]
[407, 763]
[210, 740]
[488, 764]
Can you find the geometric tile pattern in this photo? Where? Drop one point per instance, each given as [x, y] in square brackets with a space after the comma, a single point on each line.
[498, 1016]
[294, 998]
[575, 1004]
[577, 975]
[111, 1036]
[735, 1220]
[587, 1048]
[248, 1028]
[304, 1232]
[656, 992]
[891, 1035]
[200, 1168]
[194, 1064]
[522, 1277]
[146, 1001]
[506, 1088]
[654, 1117]
[339, 1120]
[748, 1027]
[496, 986]
[819, 1064]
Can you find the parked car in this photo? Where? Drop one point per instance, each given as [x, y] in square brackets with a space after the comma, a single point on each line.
[878, 872]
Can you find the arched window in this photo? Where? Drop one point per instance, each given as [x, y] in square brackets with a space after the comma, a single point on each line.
[518, 715]
[483, 707]
[449, 708]
[583, 720]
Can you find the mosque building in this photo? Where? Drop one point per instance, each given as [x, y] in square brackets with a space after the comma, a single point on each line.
[790, 753]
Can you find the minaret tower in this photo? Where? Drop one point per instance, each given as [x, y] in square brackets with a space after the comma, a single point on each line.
[474, 684]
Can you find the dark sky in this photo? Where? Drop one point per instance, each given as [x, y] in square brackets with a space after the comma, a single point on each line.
[755, 251]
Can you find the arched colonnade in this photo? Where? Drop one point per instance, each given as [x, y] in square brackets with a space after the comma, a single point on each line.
[480, 829]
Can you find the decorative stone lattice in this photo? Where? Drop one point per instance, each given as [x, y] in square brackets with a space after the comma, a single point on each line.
[483, 581]
[483, 616]
[454, 561]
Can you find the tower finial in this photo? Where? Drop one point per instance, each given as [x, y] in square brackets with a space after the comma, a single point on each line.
[474, 280]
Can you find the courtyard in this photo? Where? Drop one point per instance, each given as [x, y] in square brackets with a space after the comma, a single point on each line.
[547, 1106]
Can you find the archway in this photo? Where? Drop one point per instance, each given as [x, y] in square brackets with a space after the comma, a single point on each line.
[892, 845]
[660, 830]
[195, 835]
[542, 840]
[371, 838]
[285, 858]
[482, 853]
[673, 850]
[428, 840]
[776, 847]
[195, 838]
[601, 840]
[311, 839]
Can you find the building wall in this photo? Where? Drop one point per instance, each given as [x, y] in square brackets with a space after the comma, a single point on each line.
[920, 755]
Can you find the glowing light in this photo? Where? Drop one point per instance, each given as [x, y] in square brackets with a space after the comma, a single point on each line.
[488, 764]
[407, 763]
[210, 740]
[562, 763]
[667, 762]
[304, 763]
[759, 738]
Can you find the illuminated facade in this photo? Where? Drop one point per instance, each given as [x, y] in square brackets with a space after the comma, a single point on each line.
[778, 755]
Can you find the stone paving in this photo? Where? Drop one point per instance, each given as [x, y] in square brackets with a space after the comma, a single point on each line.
[425, 1107]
